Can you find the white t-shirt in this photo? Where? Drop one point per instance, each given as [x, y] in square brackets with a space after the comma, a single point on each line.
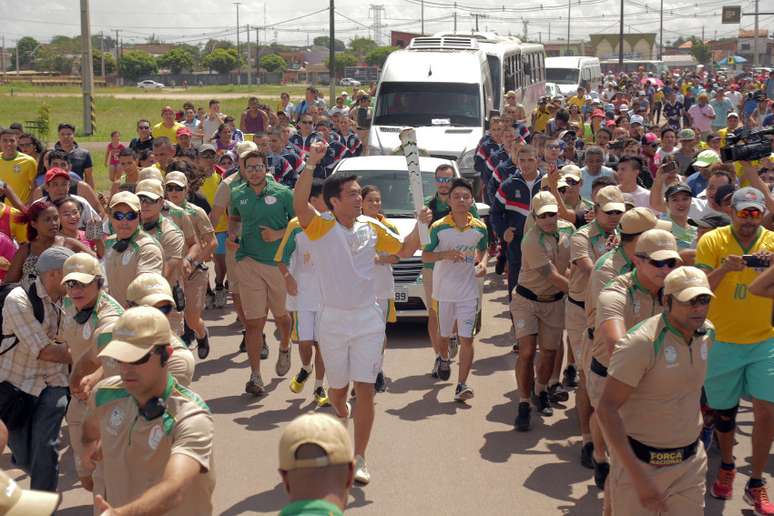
[296, 247]
[641, 197]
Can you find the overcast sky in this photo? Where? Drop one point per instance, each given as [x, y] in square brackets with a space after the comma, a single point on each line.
[195, 21]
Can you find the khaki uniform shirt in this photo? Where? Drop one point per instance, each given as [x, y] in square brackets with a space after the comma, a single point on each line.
[170, 237]
[182, 220]
[144, 254]
[588, 242]
[135, 451]
[624, 299]
[94, 334]
[611, 264]
[667, 375]
[537, 250]
[201, 222]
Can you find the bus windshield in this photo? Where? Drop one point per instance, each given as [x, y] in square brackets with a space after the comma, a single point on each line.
[428, 103]
[562, 75]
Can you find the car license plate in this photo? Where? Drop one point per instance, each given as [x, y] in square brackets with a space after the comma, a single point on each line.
[401, 296]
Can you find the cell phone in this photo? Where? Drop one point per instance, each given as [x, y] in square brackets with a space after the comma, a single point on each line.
[755, 262]
[669, 167]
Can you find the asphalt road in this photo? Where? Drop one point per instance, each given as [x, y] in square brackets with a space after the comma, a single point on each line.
[428, 454]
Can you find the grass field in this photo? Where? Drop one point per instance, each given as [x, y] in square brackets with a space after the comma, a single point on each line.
[263, 90]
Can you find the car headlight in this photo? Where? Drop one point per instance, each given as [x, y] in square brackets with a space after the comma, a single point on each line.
[466, 161]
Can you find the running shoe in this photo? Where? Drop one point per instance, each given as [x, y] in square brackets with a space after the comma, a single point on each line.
[221, 297]
[723, 487]
[444, 369]
[462, 392]
[265, 348]
[362, 476]
[380, 385]
[283, 362]
[601, 470]
[759, 499]
[542, 403]
[587, 455]
[298, 381]
[243, 343]
[570, 377]
[436, 365]
[321, 397]
[203, 346]
[522, 422]
[557, 394]
[255, 386]
[454, 346]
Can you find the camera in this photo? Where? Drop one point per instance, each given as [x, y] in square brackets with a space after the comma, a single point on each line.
[746, 145]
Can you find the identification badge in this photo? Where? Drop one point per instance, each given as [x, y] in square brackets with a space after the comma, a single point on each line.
[126, 257]
[154, 438]
[270, 199]
[87, 331]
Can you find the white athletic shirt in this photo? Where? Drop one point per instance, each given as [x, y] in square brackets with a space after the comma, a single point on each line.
[295, 251]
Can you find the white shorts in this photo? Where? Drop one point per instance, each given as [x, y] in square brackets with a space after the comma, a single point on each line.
[351, 344]
[462, 312]
[304, 325]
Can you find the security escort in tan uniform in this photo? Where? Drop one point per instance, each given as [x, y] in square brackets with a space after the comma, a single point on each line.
[153, 435]
[537, 307]
[171, 238]
[649, 408]
[586, 246]
[623, 302]
[195, 276]
[88, 311]
[129, 251]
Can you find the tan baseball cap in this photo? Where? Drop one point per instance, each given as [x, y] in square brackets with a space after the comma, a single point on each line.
[685, 283]
[15, 501]
[152, 188]
[317, 429]
[127, 198]
[610, 198]
[571, 171]
[637, 220]
[81, 267]
[177, 178]
[243, 148]
[544, 202]
[149, 288]
[657, 244]
[150, 173]
[136, 332]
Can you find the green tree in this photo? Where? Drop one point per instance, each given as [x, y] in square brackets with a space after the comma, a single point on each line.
[362, 46]
[176, 60]
[700, 51]
[343, 59]
[378, 56]
[26, 48]
[273, 63]
[135, 64]
[110, 62]
[324, 41]
[221, 60]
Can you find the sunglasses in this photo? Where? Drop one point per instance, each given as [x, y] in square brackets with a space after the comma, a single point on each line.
[146, 200]
[125, 215]
[749, 214]
[174, 188]
[75, 284]
[700, 300]
[571, 182]
[614, 213]
[145, 127]
[443, 179]
[563, 189]
[165, 309]
[553, 147]
[669, 263]
[544, 216]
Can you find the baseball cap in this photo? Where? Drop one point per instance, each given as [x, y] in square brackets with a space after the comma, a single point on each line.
[724, 191]
[242, 148]
[544, 202]
[624, 107]
[344, 94]
[183, 131]
[706, 158]
[127, 198]
[177, 178]
[685, 283]
[637, 119]
[150, 188]
[686, 134]
[572, 171]
[207, 147]
[15, 501]
[149, 288]
[732, 113]
[56, 172]
[712, 220]
[150, 173]
[597, 113]
[650, 138]
[657, 244]
[81, 267]
[52, 258]
[748, 197]
[135, 334]
[677, 188]
[610, 198]
[320, 430]
[637, 220]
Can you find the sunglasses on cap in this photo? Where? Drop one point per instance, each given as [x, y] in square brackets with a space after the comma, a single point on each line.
[700, 300]
[75, 284]
[124, 215]
[749, 213]
[173, 188]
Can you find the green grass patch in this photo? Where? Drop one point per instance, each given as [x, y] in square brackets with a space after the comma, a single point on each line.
[262, 90]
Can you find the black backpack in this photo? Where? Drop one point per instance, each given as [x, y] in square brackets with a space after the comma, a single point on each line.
[37, 310]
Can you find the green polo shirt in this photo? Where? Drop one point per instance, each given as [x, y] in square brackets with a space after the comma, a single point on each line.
[311, 508]
[272, 208]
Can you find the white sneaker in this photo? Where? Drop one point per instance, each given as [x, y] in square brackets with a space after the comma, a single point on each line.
[362, 476]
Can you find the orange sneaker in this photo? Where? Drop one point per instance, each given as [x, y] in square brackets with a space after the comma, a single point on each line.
[759, 499]
[723, 487]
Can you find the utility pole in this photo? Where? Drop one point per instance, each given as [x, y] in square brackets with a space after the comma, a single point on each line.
[118, 59]
[422, 17]
[661, 32]
[569, 8]
[332, 54]
[755, 37]
[525, 22]
[621, 39]
[239, 54]
[478, 16]
[2, 58]
[102, 53]
[87, 70]
[249, 68]
[17, 57]
[549, 31]
[455, 17]
[258, 53]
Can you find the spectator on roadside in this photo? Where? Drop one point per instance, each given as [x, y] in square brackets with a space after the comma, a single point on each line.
[111, 154]
[194, 125]
[236, 134]
[286, 106]
[212, 121]
[18, 170]
[168, 126]
[144, 140]
[80, 159]
[310, 99]
[253, 119]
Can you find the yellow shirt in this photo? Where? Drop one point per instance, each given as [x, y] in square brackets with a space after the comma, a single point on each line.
[207, 189]
[18, 230]
[731, 296]
[577, 101]
[542, 117]
[170, 132]
[19, 173]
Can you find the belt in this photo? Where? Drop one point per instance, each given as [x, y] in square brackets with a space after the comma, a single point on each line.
[598, 368]
[579, 304]
[662, 456]
[525, 292]
[590, 332]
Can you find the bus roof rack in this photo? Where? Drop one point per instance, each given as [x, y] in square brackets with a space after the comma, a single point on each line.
[443, 43]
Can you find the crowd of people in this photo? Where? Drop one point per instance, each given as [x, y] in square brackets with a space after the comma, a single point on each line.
[636, 252]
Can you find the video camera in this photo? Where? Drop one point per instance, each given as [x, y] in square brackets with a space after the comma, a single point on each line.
[747, 145]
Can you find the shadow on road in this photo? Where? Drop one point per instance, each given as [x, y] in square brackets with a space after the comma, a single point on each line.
[493, 364]
[219, 365]
[271, 501]
[418, 382]
[427, 406]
